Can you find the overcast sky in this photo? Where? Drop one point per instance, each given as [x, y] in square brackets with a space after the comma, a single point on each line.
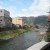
[25, 7]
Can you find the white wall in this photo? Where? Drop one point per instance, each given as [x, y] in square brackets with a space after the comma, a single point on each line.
[1, 12]
[4, 16]
[2, 23]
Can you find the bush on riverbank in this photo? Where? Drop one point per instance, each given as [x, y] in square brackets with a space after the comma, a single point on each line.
[14, 32]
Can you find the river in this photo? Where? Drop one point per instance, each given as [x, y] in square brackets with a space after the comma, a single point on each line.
[21, 42]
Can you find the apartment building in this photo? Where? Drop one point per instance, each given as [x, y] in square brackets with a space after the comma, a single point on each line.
[18, 21]
[5, 19]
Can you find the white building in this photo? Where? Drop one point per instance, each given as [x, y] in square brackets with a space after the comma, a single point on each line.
[5, 19]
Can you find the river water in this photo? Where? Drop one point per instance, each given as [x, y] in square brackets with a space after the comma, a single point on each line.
[21, 42]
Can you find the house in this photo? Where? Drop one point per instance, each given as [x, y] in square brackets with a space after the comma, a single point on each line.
[18, 21]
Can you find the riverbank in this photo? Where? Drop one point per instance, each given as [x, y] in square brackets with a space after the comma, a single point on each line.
[5, 35]
[21, 42]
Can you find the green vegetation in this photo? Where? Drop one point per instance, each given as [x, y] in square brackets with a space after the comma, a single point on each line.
[9, 34]
[42, 20]
[30, 23]
[48, 34]
[14, 32]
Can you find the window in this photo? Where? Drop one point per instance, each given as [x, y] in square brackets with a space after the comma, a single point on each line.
[0, 20]
[1, 10]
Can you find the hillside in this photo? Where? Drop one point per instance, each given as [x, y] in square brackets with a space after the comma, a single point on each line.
[36, 20]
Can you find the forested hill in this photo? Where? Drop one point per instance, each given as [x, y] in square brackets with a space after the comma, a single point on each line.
[36, 20]
[41, 20]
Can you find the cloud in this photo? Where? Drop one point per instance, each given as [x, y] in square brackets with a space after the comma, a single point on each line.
[11, 9]
[38, 7]
[24, 10]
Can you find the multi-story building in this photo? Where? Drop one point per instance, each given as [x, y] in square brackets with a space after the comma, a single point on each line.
[18, 21]
[5, 19]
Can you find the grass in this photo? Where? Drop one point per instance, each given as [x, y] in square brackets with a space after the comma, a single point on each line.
[12, 33]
